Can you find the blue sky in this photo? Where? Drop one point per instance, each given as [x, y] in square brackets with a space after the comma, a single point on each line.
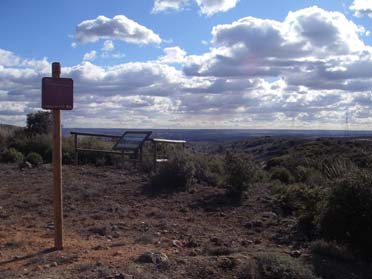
[191, 63]
[37, 29]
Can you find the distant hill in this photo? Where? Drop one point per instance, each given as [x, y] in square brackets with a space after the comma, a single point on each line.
[224, 135]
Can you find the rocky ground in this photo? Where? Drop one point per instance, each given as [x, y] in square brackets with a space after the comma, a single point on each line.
[115, 227]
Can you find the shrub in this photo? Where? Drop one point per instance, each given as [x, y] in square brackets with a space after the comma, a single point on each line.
[176, 174]
[309, 175]
[34, 158]
[208, 169]
[26, 144]
[330, 250]
[275, 265]
[2, 141]
[281, 174]
[338, 168]
[304, 201]
[240, 173]
[277, 162]
[347, 216]
[11, 155]
[299, 198]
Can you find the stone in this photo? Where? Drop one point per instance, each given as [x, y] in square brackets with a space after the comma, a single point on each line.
[117, 253]
[123, 276]
[257, 241]
[177, 243]
[50, 226]
[100, 231]
[269, 214]
[145, 257]
[159, 258]
[296, 253]
[25, 165]
[246, 242]
[191, 244]
[193, 253]
[216, 241]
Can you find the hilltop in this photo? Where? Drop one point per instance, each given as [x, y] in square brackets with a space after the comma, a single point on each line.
[117, 225]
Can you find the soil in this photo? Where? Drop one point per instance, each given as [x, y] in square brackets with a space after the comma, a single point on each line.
[111, 218]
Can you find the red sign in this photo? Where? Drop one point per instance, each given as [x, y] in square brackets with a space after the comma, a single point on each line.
[57, 93]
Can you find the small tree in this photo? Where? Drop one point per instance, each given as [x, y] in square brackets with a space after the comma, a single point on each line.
[39, 122]
[239, 174]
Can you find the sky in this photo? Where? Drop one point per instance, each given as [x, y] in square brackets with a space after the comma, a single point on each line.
[289, 64]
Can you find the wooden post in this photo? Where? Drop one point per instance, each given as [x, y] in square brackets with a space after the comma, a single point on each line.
[75, 149]
[57, 170]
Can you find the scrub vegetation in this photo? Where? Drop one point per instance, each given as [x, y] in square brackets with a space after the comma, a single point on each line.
[212, 208]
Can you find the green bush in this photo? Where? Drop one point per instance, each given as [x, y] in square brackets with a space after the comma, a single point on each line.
[177, 174]
[11, 155]
[347, 215]
[275, 266]
[281, 174]
[34, 158]
[304, 202]
[240, 173]
[26, 143]
[299, 198]
[208, 169]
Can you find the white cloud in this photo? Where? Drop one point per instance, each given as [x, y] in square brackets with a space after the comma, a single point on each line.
[207, 7]
[107, 50]
[261, 47]
[173, 55]
[119, 27]
[117, 55]
[307, 69]
[211, 7]
[166, 5]
[7, 58]
[108, 45]
[362, 8]
[90, 55]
